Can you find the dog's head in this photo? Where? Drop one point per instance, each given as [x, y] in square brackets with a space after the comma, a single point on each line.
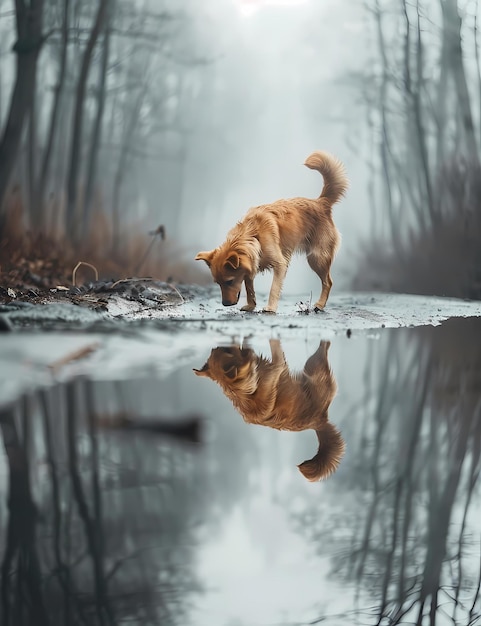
[229, 268]
[233, 368]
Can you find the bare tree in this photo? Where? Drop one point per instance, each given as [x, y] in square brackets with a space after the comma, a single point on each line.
[427, 136]
[95, 142]
[20, 563]
[452, 28]
[54, 114]
[29, 22]
[77, 125]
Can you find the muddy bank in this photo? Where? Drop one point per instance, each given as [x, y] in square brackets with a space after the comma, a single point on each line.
[138, 302]
[95, 303]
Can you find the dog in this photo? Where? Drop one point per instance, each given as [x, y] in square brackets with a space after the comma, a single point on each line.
[265, 392]
[270, 234]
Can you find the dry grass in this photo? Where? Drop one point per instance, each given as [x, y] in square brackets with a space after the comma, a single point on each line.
[46, 260]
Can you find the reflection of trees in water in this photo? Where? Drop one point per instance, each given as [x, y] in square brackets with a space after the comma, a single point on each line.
[112, 531]
[412, 541]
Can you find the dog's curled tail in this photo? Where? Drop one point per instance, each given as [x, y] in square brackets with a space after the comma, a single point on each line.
[333, 172]
[328, 457]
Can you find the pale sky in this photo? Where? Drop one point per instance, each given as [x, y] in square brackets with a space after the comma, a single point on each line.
[250, 7]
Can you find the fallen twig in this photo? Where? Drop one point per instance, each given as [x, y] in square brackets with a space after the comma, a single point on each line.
[187, 427]
[147, 280]
[304, 307]
[76, 355]
[177, 292]
[79, 264]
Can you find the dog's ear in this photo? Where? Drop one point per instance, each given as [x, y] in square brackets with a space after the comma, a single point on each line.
[202, 372]
[231, 371]
[233, 260]
[205, 256]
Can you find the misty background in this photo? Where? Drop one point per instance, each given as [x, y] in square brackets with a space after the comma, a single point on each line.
[119, 116]
[107, 523]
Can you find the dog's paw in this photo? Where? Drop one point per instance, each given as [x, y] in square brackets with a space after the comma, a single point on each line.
[318, 308]
[268, 310]
[248, 307]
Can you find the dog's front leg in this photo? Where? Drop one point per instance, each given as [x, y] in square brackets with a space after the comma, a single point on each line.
[251, 295]
[277, 354]
[280, 271]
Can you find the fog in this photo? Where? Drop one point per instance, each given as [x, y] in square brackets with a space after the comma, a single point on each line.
[228, 98]
[120, 116]
[290, 66]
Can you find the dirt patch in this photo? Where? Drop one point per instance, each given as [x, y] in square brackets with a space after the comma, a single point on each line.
[147, 292]
[184, 308]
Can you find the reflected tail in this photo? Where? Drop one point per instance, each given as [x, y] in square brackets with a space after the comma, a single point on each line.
[330, 452]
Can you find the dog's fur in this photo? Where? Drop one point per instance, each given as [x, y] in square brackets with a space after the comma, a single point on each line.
[265, 392]
[269, 234]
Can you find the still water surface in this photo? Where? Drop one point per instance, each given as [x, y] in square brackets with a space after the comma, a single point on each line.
[167, 500]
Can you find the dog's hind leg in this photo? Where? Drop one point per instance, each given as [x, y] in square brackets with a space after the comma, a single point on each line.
[318, 360]
[318, 379]
[322, 266]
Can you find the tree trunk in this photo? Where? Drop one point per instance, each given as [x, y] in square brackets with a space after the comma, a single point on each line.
[75, 152]
[34, 214]
[119, 175]
[478, 70]
[1, 100]
[97, 129]
[427, 196]
[452, 25]
[21, 564]
[47, 157]
[441, 102]
[29, 20]
[385, 146]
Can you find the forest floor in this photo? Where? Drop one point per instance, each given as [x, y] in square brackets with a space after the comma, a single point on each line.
[109, 305]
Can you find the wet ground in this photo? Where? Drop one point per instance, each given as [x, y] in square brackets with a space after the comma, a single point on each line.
[149, 469]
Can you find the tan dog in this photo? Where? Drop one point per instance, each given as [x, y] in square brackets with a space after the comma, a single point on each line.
[265, 392]
[269, 235]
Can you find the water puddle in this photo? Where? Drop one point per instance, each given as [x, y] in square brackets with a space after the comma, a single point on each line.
[188, 494]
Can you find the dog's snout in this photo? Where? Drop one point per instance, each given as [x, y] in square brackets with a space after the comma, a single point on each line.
[230, 301]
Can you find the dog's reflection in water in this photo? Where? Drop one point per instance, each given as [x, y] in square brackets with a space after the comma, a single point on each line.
[265, 392]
